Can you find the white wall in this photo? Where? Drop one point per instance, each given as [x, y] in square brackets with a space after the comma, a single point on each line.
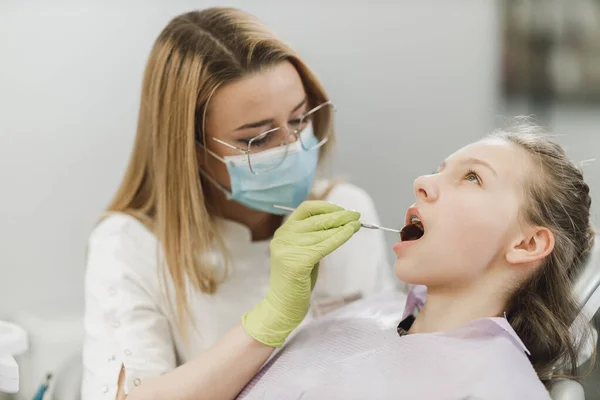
[412, 81]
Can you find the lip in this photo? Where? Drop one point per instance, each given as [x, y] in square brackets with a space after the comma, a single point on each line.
[401, 245]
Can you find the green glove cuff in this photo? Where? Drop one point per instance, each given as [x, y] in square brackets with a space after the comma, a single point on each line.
[268, 325]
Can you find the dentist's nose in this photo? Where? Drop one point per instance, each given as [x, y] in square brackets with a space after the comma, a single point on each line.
[426, 188]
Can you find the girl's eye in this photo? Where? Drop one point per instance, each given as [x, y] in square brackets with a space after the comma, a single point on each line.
[472, 176]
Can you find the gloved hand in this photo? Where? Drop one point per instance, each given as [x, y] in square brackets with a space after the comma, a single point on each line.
[311, 232]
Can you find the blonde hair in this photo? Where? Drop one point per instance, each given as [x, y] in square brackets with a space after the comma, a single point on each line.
[194, 54]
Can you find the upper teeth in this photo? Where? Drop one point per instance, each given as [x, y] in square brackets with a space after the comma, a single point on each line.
[414, 219]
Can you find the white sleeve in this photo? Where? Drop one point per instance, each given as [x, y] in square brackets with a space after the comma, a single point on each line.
[361, 264]
[124, 324]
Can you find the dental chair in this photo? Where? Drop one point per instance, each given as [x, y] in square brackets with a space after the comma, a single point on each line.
[587, 289]
[66, 385]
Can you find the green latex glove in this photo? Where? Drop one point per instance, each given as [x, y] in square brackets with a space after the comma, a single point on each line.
[313, 231]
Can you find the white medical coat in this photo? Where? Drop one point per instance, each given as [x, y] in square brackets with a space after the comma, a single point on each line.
[128, 318]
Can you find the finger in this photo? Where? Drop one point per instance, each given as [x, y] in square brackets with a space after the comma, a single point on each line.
[313, 207]
[340, 237]
[325, 221]
[311, 239]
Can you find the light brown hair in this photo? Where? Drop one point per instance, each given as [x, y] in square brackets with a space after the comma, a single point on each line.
[544, 308]
[193, 56]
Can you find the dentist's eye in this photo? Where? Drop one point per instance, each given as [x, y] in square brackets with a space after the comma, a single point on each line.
[261, 142]
[472, 176]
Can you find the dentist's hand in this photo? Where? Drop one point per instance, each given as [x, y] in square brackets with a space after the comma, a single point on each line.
[313, 231]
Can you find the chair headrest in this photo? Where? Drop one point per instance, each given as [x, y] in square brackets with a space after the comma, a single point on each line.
[589, 279]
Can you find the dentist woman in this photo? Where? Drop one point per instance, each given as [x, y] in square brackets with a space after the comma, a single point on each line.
[185, 299]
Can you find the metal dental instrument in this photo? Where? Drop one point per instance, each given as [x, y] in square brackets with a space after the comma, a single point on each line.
[364, 225]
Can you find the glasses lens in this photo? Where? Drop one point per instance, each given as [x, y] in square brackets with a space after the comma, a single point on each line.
[321, 118]
[265, 151]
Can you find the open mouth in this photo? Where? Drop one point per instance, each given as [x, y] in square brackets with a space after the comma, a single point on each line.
[412, 231]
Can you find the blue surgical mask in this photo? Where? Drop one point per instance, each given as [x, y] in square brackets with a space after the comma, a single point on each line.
[286, 185]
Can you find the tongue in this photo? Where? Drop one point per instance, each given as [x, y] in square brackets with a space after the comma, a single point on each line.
[411, 232]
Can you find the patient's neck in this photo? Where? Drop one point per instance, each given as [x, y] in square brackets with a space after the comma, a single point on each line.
[446, 309]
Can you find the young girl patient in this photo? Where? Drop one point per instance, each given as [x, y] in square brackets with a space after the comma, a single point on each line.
[505, 225]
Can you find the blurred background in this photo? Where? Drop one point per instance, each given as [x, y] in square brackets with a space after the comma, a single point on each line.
[413, 82]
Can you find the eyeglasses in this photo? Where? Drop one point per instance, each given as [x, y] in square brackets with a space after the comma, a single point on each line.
[320, 117]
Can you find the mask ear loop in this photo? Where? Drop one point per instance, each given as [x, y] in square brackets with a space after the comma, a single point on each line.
[203, 144]
[207, 151]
